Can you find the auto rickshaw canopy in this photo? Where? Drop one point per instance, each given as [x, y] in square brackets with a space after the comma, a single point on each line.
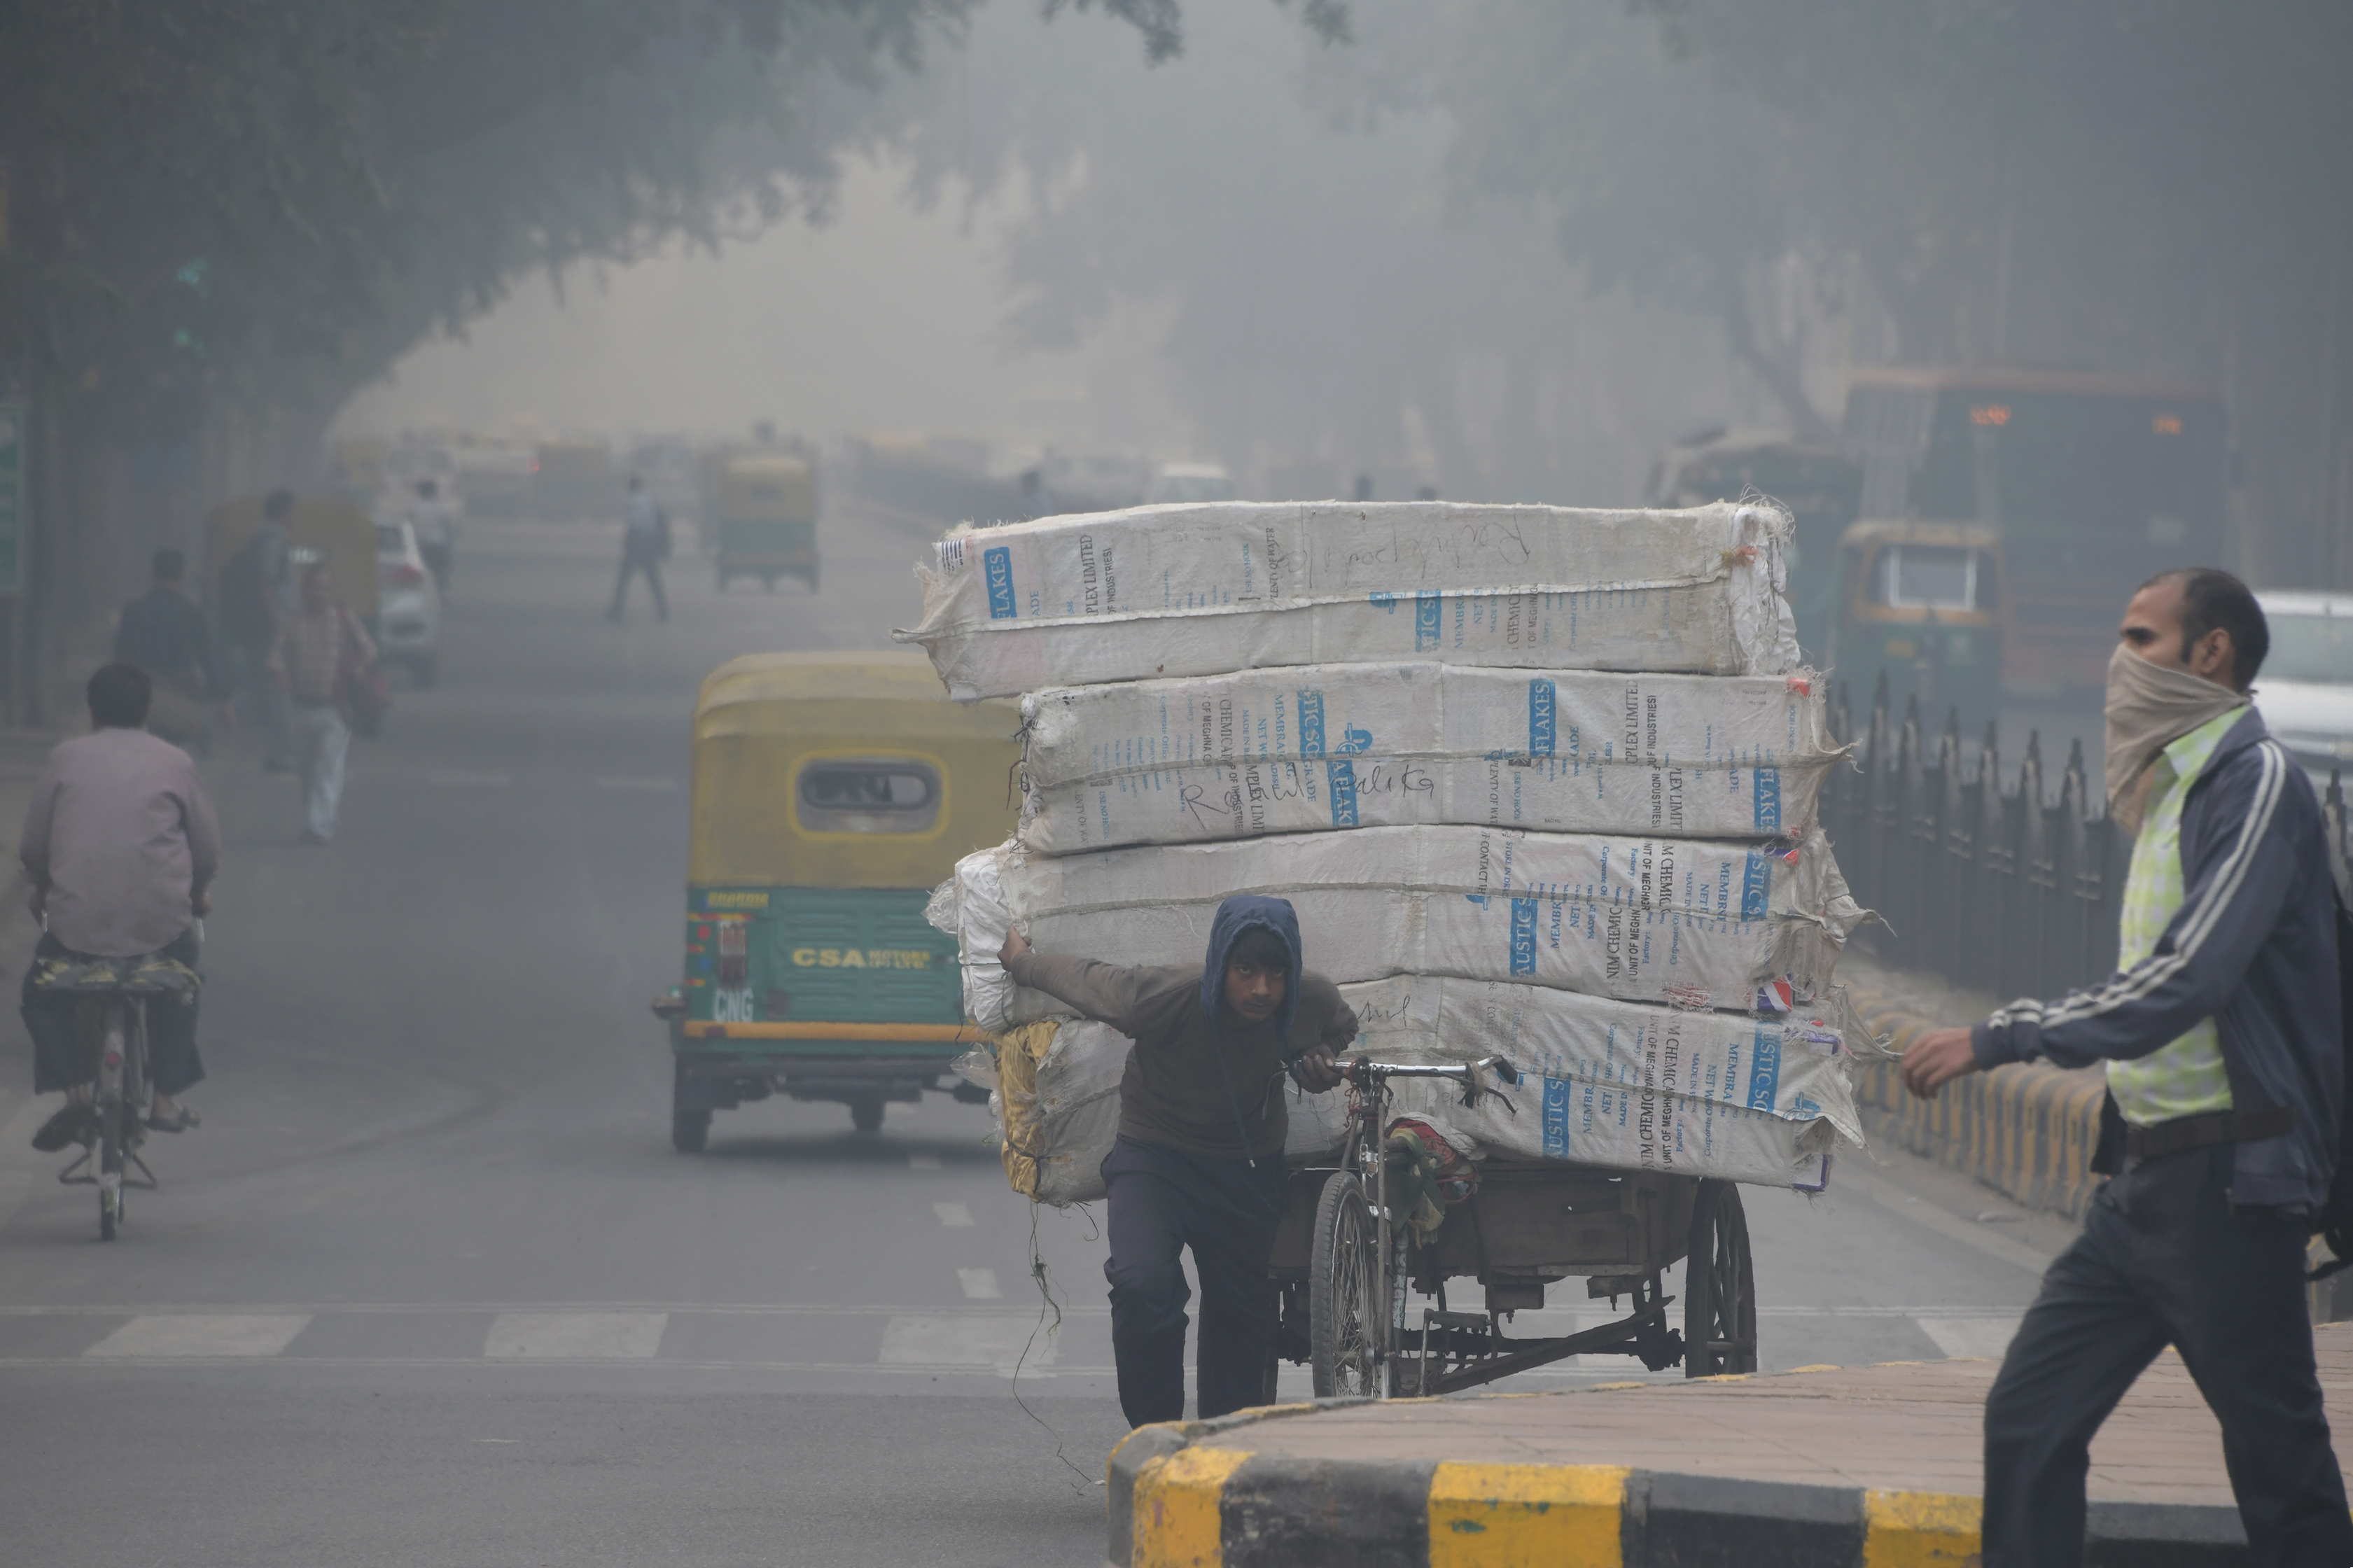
[341, 530]
[843, 769]
[767, 489]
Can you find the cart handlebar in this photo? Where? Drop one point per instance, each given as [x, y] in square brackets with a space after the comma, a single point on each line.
[1363, 1071]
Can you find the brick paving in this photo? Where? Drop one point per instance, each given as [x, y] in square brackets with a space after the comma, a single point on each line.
[1902, 1425]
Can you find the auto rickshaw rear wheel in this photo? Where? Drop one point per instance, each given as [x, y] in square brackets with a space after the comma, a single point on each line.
[866, 1115]
[690, 1131]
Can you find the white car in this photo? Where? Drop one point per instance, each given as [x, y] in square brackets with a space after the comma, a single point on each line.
[2305, 691]
[407, 603]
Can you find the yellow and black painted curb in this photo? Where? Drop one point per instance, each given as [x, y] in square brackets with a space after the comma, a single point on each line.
[2027, 1129]
[1198, 1495]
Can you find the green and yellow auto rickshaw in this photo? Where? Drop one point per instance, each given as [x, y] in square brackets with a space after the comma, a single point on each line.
[832, 792]
[1921, 602]
[767, 519]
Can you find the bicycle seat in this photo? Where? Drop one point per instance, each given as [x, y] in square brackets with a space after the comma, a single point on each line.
[148, 975]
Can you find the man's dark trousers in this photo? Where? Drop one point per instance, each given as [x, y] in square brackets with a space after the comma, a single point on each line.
[2163, 1259]
[61, 1058]
[1162, 1201]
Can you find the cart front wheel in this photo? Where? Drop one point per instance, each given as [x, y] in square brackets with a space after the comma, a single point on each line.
[1719, 1287]
[1342, 1316]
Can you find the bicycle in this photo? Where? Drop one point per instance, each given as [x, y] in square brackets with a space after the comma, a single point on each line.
[112, 994]
[1356, 1275]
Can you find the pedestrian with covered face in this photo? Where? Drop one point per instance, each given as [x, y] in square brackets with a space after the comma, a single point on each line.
[1198, 1160]
[2220, 1039]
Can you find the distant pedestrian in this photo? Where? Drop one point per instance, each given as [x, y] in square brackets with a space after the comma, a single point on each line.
[437, 533]
[165, 633]
[257, 595]
[2224, 1056]
[645, 544]
[319, 649]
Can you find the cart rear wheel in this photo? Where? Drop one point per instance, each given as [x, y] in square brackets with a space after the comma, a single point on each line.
[1343, 1318]
[690, 1131]
[1719, 1287]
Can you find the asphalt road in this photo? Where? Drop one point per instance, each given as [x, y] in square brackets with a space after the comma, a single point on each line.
[430, 1285]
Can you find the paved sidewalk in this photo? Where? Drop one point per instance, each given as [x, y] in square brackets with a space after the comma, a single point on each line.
[1874, 1465]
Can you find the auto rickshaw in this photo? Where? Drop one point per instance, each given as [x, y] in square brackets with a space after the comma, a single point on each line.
[767, 519]
[832, 792]
[340, 533]
[1921, 601]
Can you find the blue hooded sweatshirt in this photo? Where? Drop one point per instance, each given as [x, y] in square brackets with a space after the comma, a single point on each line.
[1235, 916]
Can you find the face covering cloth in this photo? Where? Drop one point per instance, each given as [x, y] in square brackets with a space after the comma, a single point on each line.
[2149, 707]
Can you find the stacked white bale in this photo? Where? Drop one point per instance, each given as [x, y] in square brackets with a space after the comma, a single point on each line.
[1165, 591]
[1696, 922]
[1527, 774]
[1762, 1099]
[1378, 745]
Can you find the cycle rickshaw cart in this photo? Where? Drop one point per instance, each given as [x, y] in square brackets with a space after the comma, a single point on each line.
[1347, 1271]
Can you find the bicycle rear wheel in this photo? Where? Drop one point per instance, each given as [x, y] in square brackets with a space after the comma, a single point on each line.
[1342, 1318]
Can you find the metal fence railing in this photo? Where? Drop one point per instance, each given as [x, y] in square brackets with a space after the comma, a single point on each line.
[1981, 879]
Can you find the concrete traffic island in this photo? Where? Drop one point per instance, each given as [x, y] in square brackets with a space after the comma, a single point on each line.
[1810, 1468]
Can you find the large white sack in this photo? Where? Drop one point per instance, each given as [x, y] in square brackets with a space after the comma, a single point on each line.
[1200, 590]
[1702, 923]
[1072, 1114]
[1618, 1084]
[1608, 1083]
[1366, 746]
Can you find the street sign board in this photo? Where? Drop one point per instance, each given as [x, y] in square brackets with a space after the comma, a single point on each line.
[15, 428]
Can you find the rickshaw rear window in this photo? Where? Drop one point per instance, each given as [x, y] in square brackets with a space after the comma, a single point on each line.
[867, 795]
[1934, 578]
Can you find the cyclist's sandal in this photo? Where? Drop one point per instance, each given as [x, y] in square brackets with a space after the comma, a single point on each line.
[179, 1123]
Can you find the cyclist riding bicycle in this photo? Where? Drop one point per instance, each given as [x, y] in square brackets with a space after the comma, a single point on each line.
[120, 845]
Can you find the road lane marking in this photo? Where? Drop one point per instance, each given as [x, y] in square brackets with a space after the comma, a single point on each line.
[979, 1284]
[469, 781]
[994, 1343]
[956, 1217]
[577, 1336]
[1971, 1336]
[922, 1162]
[204, 1334]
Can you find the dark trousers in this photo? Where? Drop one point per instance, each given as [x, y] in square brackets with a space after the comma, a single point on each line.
[1163, 1201]
[61, 1055]
[2163, 1258]
[635, 560]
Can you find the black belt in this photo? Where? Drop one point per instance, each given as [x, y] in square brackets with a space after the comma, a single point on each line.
[2205, 1131]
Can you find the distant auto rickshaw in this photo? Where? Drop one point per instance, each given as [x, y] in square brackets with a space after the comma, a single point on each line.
[1921, 602]
[767, 519]
[832, 792]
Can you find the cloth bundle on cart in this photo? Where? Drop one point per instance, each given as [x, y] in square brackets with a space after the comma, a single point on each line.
[1697, 923]
[1205, 590]
[1054, 1087]
[1377, 745]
